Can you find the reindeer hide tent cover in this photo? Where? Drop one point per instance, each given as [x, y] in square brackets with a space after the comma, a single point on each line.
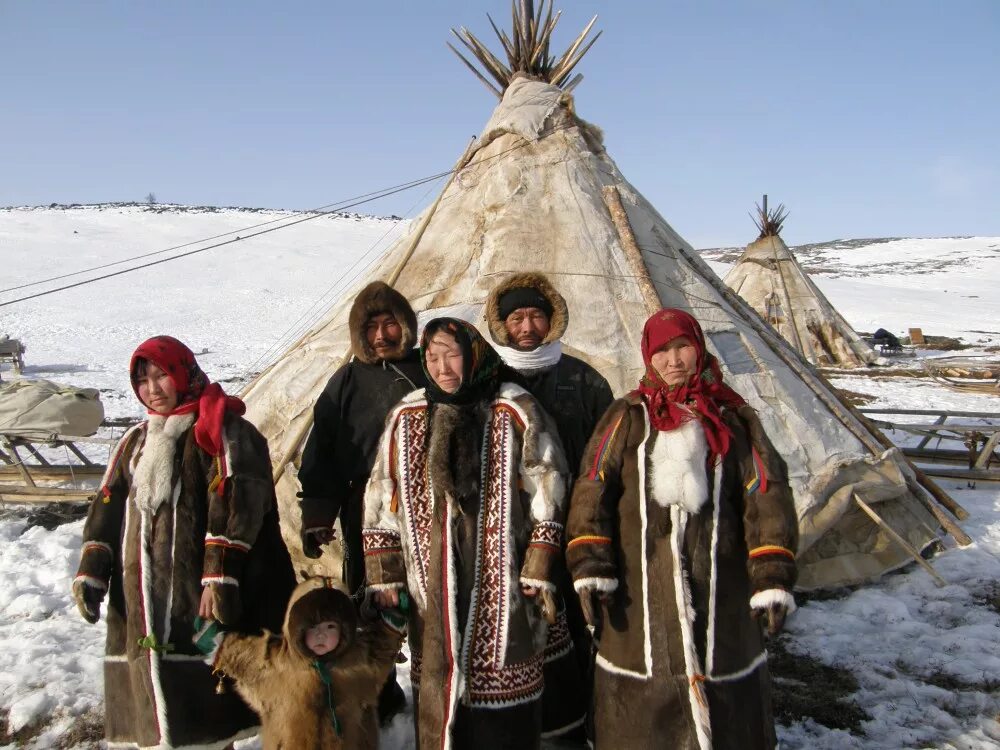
[538, 191]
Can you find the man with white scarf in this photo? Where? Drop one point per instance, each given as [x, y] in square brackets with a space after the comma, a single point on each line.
[527, 317]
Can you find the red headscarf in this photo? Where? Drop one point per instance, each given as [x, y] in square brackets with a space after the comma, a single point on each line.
[195, 393]
[704, 394]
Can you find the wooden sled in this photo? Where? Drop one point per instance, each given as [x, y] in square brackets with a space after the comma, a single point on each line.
[31, 473]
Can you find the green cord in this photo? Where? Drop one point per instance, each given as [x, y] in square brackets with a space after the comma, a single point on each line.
[324, 677]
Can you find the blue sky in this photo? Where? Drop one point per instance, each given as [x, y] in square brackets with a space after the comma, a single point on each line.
[867, 118]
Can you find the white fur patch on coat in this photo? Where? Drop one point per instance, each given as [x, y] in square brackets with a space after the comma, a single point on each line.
[677, 474]
[770, 597]
[153, 477]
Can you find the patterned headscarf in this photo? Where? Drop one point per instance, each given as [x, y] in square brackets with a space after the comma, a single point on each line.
[704, 394]
[195, 393]
[482, 368]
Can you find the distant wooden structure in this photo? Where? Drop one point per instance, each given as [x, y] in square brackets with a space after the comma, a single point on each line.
[12, 350]
[972, 374]
[917, 336]
[981, 457]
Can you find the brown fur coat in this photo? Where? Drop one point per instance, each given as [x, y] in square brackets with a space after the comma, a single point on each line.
[282, 681]
[162, 528]
[683, 553]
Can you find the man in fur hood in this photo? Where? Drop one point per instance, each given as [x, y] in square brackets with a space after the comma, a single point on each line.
[527, 318]
[316, 686]
[349, 417]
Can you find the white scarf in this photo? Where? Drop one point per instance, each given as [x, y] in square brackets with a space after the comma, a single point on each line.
[544, 356]
[153, 476]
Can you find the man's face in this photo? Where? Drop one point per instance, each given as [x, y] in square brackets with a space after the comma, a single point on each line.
[527, 327]
[384, 334]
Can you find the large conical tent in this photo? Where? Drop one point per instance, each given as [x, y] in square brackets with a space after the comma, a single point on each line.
[770, 279]
[537, 190]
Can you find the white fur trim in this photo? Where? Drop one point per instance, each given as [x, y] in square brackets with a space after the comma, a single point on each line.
[602, 585]
[398, 586]
[224, 580]
[713, 580]
[753, 666]
[647, 670]
[546, 355]
[116, 658]
[153, 478]
[510, 391]
[562, 730]
[219, 539]
[94, 583]
[456, 685]
[153, 657]
[767, 597]
[115, 463]
[677, 467]
[545, 585]
[686, 617]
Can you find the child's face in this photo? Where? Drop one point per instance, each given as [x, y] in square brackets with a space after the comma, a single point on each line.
[323, 637]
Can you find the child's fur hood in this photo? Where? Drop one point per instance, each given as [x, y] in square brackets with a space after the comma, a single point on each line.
[317, 600]
[376, 298]
[532, 280]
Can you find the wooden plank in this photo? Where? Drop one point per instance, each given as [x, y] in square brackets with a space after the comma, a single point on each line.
[45, 494]
[933, 412]
[987, 475]
[927, 439]
[880, 522]
[42, 461]
[22, 470]
[77, 452]
[957, 429]
[58, 473]
[938, 456]
[987, 452]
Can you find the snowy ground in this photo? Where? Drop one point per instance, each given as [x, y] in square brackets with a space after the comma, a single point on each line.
[924, 658]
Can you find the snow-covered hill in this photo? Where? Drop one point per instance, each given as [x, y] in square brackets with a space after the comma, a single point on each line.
[913, 665]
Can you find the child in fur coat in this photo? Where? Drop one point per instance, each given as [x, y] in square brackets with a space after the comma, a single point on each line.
[317, 686]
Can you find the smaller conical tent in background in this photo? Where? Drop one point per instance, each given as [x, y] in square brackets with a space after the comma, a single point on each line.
[770, 279]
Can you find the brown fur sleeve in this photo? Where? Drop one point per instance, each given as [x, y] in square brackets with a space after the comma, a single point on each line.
[592, 509]
[248, 660]
[769, 518]
[103, 528]
[543, 473]
[240, 494]
[372, 658]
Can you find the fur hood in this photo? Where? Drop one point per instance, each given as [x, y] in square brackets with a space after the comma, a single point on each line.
[531, 279]
[316, 600]
[379, 297]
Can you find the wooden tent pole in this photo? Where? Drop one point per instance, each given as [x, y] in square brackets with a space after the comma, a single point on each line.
[894, 535]
[300, 434]
[613, 200]
[806, 352]
[859, 426]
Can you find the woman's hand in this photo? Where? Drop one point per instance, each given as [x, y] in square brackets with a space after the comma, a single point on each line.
[206, 607]
[387, 599]
[529, 591]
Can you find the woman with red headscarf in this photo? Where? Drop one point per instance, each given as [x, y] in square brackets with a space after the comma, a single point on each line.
[682, 538]
[185, 524]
